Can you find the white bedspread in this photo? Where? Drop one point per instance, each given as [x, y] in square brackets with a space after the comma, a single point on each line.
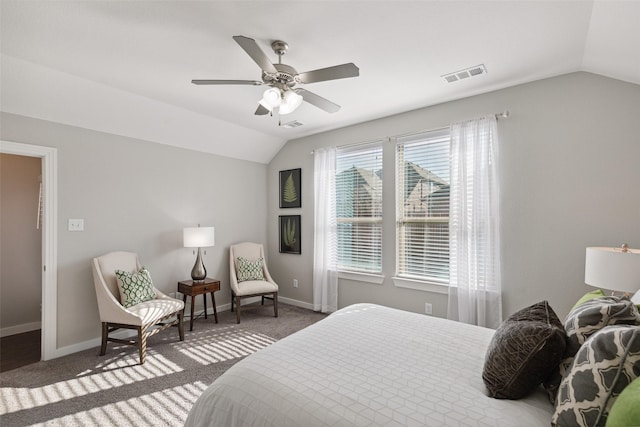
[367, 365]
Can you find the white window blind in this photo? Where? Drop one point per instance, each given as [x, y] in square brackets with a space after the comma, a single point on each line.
[359, 207]
[422, 213]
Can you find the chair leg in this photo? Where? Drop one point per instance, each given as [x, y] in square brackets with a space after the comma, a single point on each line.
[181, 324]
[237, 309]
[142, 343]
[233, 298]
[105, 333]
[262, 299]
[275, 304]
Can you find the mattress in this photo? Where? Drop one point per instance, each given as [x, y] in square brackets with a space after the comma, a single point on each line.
[367, 365]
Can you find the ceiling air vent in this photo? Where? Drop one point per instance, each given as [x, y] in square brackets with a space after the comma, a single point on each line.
[290, 125]
[463, 74]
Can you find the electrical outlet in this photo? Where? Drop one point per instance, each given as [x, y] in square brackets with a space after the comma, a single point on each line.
[295, 283]
[76, 224]
[428, 308]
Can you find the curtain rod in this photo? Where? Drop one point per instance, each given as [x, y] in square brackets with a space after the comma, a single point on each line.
[502, 115]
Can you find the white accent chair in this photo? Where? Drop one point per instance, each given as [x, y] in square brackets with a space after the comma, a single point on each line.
[140, 317]
[250, 288]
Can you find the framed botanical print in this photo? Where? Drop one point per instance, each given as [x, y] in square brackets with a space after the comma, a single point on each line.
[289, 230]
[290, 191]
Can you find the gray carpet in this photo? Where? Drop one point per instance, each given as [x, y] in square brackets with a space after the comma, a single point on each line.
[84, 389]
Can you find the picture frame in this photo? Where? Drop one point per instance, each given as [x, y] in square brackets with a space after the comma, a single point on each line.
[290, 193]
[289, 232]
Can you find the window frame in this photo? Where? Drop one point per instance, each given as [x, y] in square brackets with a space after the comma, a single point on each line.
[352, 270]
[403, 278]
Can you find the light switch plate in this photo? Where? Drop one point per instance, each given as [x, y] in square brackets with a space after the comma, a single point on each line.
[76, 224]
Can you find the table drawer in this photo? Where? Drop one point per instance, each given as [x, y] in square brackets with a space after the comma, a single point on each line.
[198, 288]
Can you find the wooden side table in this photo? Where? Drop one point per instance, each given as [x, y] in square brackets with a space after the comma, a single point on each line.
[203, 287]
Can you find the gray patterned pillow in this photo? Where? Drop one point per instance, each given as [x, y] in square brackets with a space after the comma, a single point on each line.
[585, 319]
[605, 364]
[523, 352]
[593, 315]
[249, 269]
[135, 287]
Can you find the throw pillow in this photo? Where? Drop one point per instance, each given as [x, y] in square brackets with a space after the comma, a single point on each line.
[249, 269]
[604, 365]
[523, 352]
[588, 297]
[135, 287]
[626, 409]
[593, 315]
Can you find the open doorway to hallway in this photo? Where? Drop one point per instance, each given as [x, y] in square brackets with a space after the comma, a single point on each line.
[49, 267]
[21, 260]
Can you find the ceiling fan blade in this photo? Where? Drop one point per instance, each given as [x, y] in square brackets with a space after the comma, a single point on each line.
[330, 73]
[253, 50]
[318, 101]
[261, 111]
[226, 82]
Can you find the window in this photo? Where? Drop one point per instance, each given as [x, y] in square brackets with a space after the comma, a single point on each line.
[422, 213]
[359, 207]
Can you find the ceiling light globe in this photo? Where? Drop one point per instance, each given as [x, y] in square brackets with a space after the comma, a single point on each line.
[291, 101]
[272, 97]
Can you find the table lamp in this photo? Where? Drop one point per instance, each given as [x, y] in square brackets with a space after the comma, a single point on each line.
[199, 237]
[616, 269]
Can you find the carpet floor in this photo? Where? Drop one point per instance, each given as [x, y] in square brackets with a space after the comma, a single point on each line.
[85, 389]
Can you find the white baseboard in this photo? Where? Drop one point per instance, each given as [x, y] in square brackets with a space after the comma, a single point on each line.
[296, 303]
[19, 329]
[96, 342]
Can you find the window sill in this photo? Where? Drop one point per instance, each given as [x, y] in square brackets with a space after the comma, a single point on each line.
[420, 285]
[374, 279]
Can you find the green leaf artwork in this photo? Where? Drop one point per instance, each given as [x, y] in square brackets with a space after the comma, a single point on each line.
[290, 195]
[289, 234]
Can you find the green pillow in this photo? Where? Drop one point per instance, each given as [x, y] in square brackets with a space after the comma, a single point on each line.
[626, 409]
[588, 296]
[249, 269]
[135, 287]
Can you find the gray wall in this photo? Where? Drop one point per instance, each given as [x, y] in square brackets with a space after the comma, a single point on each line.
[20, 244]
[137, 196]
[570, 156]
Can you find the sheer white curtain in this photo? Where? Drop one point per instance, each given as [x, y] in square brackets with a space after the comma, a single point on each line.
[474, 238]
[325, 257]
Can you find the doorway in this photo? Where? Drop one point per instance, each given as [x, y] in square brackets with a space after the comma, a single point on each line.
[49, 169]
[20, 253]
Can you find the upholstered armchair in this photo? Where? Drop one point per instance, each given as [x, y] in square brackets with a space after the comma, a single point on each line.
[145, 317]
[249, 276]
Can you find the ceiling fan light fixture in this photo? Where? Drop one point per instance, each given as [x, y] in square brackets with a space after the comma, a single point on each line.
[271, 98]
[290, 102]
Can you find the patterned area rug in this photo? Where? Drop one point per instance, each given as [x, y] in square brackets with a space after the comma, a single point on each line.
[85, 389]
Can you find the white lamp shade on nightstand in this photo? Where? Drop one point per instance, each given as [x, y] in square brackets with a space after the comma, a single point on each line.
[199, 237]
[612, 268]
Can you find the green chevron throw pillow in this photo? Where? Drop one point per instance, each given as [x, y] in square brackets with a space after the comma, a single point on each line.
[249, 269]
[135, 287]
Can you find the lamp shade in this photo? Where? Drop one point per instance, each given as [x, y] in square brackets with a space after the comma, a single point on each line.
[612, 268]
[199, 237]
[291, 101]
[272, 97]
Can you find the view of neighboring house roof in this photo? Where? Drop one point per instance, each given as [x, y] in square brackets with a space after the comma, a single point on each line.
[412, 169]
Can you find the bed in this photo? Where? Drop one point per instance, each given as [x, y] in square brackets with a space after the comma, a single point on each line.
[367, 365]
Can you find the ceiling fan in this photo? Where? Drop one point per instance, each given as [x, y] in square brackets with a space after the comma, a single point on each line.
[283, 96]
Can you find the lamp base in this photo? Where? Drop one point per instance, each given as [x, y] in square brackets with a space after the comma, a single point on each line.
[198, 272]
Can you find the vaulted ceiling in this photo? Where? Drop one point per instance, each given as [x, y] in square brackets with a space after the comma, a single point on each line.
[125, 67]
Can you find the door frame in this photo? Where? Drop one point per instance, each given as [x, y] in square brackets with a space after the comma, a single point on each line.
[49, 156]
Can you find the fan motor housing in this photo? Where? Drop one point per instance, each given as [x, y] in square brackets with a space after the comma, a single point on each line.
[286, 75]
